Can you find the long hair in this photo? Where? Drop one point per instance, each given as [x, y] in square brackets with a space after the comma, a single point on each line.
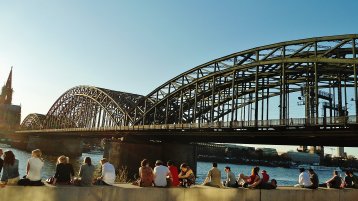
[255, 171]
[88, 161]
[9, 158]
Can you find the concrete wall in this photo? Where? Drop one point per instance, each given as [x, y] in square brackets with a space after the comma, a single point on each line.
[127, 192]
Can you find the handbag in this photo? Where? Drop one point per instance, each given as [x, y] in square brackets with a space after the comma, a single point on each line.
[50, 180]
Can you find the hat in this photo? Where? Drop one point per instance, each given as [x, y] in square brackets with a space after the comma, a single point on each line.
[158, 162]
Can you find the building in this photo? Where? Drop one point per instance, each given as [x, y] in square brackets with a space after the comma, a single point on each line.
[303, 158]
[10, 115]
[340, 152]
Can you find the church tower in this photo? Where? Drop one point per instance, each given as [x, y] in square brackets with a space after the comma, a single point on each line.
[6, 92]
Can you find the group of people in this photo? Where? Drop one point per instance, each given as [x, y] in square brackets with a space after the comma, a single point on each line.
[164, 176]
[169, 176]
[254, 180]
[310, 180]
[64, 175]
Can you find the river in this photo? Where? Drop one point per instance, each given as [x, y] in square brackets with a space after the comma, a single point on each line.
[284, 176]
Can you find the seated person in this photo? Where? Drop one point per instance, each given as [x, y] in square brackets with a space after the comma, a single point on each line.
[161, 173]
[334, 182]
[313, 179]
[265, 176]
[354, 179]
[10, 169]
[186, 176]
[265, 185]
[108, 173]
[253, 178]
[230, 178]
[214, 177]
[303, 179]
[146, 175]
[64, 171]
[348, 183]
[174, 171]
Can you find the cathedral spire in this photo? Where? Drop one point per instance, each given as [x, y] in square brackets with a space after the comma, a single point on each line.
[6, 93]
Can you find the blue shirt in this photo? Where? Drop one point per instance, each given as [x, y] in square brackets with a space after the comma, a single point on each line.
[10, 171]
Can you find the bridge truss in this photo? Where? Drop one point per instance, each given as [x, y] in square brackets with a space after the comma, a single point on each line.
[241, 87]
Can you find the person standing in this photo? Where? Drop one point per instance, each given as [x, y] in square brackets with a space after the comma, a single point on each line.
[230, 178]
[10, 173]
[214, 177]
[108, 173]
[314, 179]
[303, 179]
[161, 173]
[174, 171]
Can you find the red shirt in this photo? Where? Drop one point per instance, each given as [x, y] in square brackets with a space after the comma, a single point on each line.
[174, 171]
[265, 177]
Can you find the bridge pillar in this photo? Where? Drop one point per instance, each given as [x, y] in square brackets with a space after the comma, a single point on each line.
[50, 145]
[128, 155]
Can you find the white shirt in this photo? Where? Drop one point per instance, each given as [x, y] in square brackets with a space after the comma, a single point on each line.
[108, 173]
[36, 165]
[160, 175]
[304, 179]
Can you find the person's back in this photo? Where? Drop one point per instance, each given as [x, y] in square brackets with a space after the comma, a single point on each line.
[314, 180]
[86, 174]
[160, 175]
[304, 179]
[336, 182]
[63, 173]
[35, 167]
[231, 179]
[354, 180]
[146, 176]
[174, 171]
[10, 171]
[108, 173]
[215, 176]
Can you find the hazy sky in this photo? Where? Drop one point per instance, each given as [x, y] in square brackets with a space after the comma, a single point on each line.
[135, 46]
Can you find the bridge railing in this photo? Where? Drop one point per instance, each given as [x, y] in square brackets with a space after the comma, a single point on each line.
[271, 123]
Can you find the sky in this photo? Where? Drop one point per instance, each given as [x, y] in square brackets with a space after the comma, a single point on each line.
[135, 46]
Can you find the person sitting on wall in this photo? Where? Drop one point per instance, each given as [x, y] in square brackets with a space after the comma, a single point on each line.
[33, 170]
[250, 180]
[161, 173]
[334, 182]
[348, 183]
[265, 176]
[314, 179]
[174, 171]
[146, 176]
[108, 174]
[85, 173]
[354, 179]
[264, 185]
[186, 176]
[214, 177]
[303, 179]
[10, 172]
[230, 178]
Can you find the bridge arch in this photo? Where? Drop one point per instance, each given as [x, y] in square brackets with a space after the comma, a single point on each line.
[91, 107]
[245, 80]
[33, 121]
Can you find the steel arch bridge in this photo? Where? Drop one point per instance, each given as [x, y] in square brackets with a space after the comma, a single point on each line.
[241, 87]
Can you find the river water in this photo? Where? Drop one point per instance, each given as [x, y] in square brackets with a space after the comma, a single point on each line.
[284, 176]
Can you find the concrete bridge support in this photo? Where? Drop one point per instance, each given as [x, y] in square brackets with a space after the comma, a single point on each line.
[129, 155]
[50, 145]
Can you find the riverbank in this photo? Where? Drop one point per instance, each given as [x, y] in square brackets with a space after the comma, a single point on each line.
[127, 192]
